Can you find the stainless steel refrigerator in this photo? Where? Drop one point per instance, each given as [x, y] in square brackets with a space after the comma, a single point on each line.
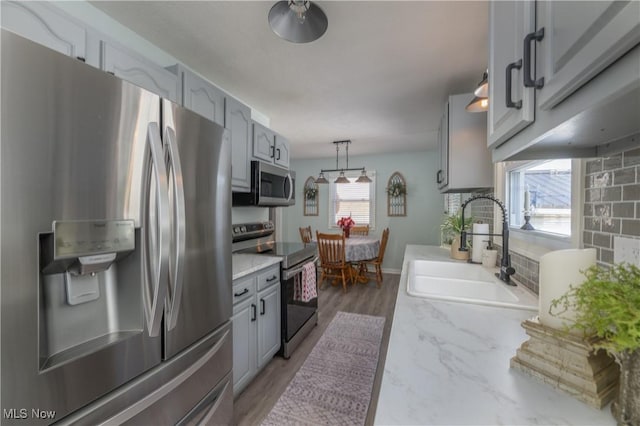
[116, 250]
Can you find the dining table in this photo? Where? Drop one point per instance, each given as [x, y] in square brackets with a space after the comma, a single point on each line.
[359, 248]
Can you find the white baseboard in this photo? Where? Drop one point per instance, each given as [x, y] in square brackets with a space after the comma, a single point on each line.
[391, 271]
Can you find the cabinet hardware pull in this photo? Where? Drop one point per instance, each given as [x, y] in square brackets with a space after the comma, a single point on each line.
[245, 291]
[439, 176]
[273, 278]
[278, 150]
[262, 307]
[528, 81]
[253, 312]
[513, 65]
[272, 148]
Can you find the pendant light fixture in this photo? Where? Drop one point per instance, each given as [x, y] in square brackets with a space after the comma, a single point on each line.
[480, 102]
[363, 178]
[297, 21]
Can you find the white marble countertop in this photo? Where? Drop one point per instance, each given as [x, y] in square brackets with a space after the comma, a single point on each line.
[244, 263]
[448, 363]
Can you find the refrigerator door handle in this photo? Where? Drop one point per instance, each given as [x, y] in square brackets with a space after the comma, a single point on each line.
[155, 247]
[174, 295]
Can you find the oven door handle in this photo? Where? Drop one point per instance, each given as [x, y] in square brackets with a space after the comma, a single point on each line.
[289, 273]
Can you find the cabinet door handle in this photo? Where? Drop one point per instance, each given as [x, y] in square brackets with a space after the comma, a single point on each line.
[253, 312]
[245, 291]
[278, 150]
[439, 176]
[262, 307]
[513, 65]
[272, 148]
[273, 278]
[528, 81]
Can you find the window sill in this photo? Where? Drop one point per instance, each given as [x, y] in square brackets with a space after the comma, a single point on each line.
[534, 244]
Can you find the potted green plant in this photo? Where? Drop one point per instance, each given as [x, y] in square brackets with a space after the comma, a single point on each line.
[451, 227]
[607, 305]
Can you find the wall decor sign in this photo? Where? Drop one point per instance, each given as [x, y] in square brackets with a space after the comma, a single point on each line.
[310, 197]
[396, 195]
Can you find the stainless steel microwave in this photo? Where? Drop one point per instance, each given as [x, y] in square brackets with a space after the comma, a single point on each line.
[270, 186]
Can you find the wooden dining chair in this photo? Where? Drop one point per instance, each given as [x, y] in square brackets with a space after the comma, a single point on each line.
[377, 262]
[359, 230]
[333, 264]
[306, 234]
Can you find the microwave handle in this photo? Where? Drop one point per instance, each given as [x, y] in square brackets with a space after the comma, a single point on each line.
[290, 179]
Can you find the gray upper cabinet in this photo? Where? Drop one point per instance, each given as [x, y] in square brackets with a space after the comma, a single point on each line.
[564, 78]
[512, 105]
[465, 159]
[269, 146]
[281, 155]
[45, 25]
[129, 66]
[580, 40]
[238, 121]
[202, 97]
[263, 143]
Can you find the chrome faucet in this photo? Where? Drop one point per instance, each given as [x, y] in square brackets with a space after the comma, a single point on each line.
[506, 270]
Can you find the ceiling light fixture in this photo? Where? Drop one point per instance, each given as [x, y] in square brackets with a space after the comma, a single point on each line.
[480, 102]
[297, 21]
[363, 178]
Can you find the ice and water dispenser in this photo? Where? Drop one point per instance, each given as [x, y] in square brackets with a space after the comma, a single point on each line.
[90, 294]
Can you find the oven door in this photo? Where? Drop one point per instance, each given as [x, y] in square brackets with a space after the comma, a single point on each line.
[295, 313]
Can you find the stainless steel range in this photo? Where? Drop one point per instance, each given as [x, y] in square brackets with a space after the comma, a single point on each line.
[298, 318]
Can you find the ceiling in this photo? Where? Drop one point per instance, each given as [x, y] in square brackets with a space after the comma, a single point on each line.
[379, 76]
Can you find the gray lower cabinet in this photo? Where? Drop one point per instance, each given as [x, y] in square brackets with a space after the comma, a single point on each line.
[256, 324]
[45, 25]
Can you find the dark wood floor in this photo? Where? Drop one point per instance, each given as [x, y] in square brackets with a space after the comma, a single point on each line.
[255, 402]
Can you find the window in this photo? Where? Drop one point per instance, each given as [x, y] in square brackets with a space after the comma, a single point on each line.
[547, 187]
[352, 199]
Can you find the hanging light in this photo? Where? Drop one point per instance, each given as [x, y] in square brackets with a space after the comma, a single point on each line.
[480, 102]
[321, 178]
[341, 178]
[363, 178]
[297, 21]
[482, 91]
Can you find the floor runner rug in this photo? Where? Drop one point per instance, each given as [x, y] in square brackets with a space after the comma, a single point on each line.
[333, 386]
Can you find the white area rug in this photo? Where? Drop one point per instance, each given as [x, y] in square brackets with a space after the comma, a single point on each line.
[333, 386]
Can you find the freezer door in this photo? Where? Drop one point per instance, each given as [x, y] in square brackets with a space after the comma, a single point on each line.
[74, 144]
[198, 154]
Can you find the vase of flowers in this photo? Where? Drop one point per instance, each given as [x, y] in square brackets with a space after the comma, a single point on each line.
[346, 223]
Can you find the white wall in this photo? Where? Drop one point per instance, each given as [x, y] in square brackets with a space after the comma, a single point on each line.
[424, 202]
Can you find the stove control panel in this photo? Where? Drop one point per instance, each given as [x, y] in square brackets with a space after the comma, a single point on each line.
[247, 231]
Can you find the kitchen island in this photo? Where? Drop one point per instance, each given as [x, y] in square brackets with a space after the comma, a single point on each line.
[448, 363]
